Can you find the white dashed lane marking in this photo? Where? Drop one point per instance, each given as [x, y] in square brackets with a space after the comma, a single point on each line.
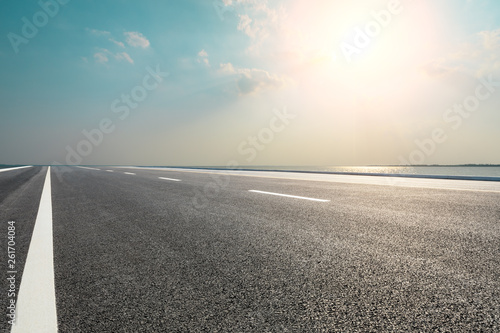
[17, 168]
[88, 168]
[288, 196]
[172, 179]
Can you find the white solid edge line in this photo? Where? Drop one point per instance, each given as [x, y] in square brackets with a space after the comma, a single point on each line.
[172, 179]
[36, 302]
[87, 168]
[109, 171]
[16, 168]
[289, 196]
[129, 173]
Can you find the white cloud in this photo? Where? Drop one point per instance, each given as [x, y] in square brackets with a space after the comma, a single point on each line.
[98, 32]
[124, 56]
[245, 26]
[120, 44]
[479, 57]
[252, 80]
[259, 22]
[490, 39]
[136, 39]
[203, 58]
[101, 57]
[227, 68]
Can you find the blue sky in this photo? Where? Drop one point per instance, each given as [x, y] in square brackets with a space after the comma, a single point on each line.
[235, 67]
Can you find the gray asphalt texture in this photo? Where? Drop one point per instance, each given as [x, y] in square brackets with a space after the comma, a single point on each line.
[20, 192]
[133, 254]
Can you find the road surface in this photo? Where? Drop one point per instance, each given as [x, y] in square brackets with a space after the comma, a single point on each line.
[151, 250]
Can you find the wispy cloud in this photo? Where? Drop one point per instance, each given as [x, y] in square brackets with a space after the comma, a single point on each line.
[136, 39]
[257, 20]
[252, 80]
[103, 33]
[124, 56]
[245, 26]
[120, 44]
[97, 32]
[203, 58]
[103, 56]
[478, 57]
[132, 38]
[490, 39]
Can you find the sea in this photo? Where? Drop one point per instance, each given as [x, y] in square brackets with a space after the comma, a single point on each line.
[429, 170]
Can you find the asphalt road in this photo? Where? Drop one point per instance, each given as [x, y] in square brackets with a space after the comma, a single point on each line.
[20, 192]
[195, 251]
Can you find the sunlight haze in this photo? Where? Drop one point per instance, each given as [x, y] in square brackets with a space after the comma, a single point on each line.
[361, 82]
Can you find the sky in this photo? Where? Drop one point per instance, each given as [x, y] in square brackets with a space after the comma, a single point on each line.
[250, 82]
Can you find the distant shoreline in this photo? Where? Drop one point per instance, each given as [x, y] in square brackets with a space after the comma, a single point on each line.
[494, 177]
[373, 174]
[277, 166]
